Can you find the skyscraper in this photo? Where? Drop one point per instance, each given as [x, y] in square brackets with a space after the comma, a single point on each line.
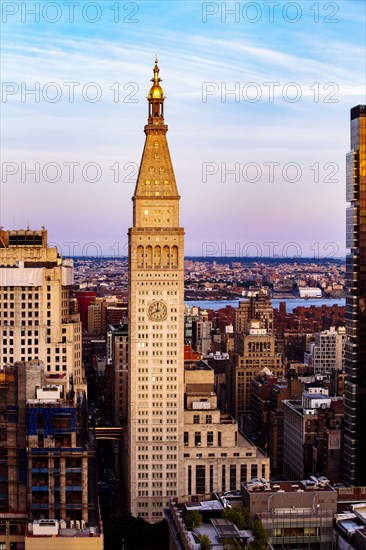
[156, 325]
[47, 464]
[177, 442]
[35, 317]
[257, 351]
[355, 361]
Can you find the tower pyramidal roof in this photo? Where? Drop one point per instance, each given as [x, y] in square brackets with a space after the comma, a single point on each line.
[156, 179]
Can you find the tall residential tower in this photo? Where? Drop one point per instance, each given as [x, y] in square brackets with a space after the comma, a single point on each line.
[355, 361]
[156, 325]
[36, 318]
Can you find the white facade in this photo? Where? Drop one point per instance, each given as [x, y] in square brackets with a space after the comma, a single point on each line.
[310, 292]
[327, 352]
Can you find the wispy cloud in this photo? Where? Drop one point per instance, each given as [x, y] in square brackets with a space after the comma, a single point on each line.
[224, 128]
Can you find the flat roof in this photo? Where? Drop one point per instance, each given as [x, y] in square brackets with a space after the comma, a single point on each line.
[225, 528]
[286, 486]
[317, 396]
[196, 365]
[204, 505]
[350, 525]
[360, 510]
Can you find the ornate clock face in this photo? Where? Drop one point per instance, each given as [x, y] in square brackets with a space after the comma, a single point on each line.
[157, 311]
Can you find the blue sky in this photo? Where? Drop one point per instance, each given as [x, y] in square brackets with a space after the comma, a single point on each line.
[297, 68]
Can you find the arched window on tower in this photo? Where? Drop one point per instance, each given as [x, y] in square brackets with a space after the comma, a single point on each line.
[140, 256]
[157, 256]
[166, 256]
[174, 256]
[148, 256]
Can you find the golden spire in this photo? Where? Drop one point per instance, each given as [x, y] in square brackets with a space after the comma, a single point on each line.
[156, 78]
[156, 91]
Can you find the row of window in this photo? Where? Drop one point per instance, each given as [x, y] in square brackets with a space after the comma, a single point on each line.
[155, 275]
[200, 477]
[198, 440]
[196, 419]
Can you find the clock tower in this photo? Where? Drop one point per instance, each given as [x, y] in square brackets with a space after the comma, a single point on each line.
[156, 325]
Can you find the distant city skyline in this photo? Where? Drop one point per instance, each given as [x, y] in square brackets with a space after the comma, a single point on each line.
[264, 175]
[260, 259]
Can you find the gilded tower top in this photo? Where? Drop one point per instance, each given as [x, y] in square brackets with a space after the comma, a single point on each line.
[156, 187]
[156, 91]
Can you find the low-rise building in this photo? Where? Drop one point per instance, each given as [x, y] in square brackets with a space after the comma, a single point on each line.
[216, 528]
[295, 514]
[310, 292]
[350, 528]
[45, 534]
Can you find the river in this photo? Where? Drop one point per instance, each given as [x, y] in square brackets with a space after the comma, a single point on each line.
[291, 303]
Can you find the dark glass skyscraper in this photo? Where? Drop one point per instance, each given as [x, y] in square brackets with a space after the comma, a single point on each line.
[355, 394]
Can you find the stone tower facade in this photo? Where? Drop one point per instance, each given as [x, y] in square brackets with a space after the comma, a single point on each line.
[156, 325]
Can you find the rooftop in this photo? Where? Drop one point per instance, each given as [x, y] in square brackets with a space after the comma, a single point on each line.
[204, 506]
[349, 523]
[196, 365]
[54, 527]
[216, 528]
[314, 484]
[316, 396]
